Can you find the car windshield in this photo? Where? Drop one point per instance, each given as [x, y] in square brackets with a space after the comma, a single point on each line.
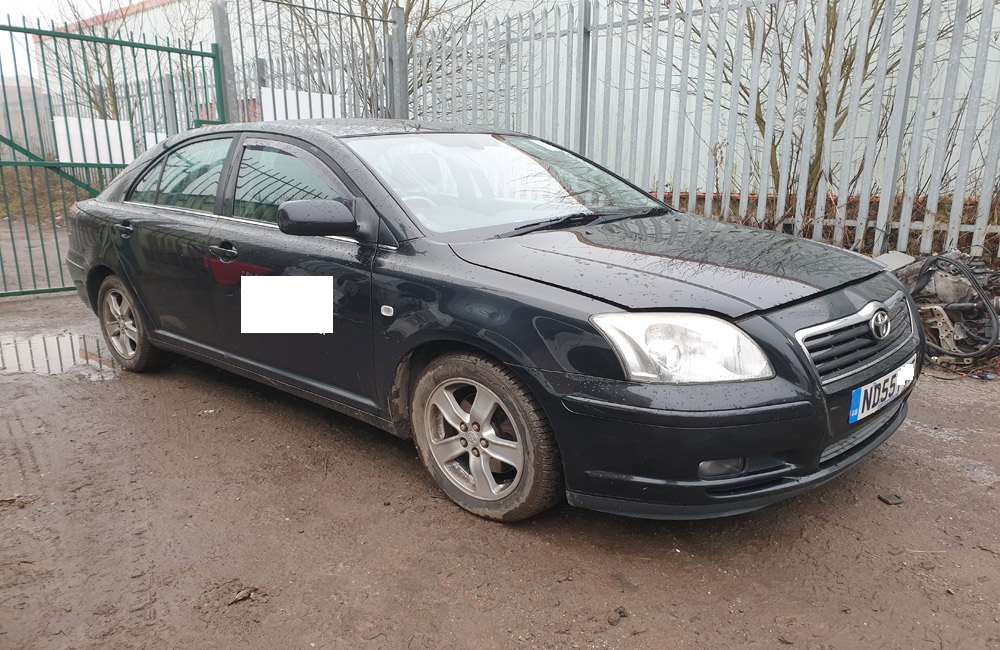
[455, 182]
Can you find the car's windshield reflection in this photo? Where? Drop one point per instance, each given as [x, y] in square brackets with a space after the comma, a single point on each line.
[462, 181]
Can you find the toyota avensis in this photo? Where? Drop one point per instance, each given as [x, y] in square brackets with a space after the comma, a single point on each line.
[540, 327]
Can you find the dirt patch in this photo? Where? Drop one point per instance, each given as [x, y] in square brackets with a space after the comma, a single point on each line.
[193, 508]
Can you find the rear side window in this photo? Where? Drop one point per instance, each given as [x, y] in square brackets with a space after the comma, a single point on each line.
[145, 190]
[271, 173]
[188, 178]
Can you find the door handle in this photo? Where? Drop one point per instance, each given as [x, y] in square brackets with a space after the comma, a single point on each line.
[124, 229]
[224, 253]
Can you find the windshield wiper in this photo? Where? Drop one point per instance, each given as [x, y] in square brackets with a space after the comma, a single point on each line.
[618, 216]
[573, 219]
[583, 219]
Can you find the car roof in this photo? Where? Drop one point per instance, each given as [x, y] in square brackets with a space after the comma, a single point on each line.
[343, 128]
[339, 128]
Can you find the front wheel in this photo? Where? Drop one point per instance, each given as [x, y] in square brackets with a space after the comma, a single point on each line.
[484, 438]
[123, 328]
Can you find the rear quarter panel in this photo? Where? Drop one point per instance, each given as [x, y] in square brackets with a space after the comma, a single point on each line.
[91, 254]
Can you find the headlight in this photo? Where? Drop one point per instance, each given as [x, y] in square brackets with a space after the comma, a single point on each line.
[682, 348]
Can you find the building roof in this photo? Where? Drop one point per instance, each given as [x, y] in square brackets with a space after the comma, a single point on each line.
[114, 14]
[88, 24]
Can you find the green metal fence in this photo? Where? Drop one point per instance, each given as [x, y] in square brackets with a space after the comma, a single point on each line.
[78, 103]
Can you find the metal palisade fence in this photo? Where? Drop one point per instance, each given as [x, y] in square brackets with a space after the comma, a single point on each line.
[866, 123]
[78, 103]
[871, 124]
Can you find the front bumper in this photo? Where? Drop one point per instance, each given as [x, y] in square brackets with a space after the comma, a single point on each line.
[667, 499]
[635, 449]
[643, 462]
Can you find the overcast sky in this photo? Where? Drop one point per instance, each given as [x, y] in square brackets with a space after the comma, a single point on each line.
[46, 10]
[12, 12]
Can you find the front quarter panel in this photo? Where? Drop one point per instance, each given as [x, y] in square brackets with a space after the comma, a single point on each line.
[436, 297]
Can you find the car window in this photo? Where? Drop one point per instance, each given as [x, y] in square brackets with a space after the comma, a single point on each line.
[454, 182]
[271, 173]
[190, 177]
[145, 190]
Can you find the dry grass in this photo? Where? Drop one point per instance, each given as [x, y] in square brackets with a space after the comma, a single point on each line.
[39, 193]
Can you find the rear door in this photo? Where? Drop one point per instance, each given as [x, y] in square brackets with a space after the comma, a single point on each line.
[268, 171]
[161, 233]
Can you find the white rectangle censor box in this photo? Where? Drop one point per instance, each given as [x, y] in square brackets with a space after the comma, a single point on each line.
[286, 304]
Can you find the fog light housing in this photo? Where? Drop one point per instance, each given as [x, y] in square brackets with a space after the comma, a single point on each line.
[721, 468]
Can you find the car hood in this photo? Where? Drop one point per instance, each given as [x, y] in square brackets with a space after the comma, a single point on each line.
[671, 261]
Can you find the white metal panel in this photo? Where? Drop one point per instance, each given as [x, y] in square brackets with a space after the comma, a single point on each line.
[87, 140]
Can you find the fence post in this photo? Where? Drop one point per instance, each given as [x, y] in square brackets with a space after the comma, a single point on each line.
[398, 95]
[220, 21]
[898, 128]
[169, 93]
[583, 98]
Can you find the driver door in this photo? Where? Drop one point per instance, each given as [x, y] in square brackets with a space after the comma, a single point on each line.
[246, 237]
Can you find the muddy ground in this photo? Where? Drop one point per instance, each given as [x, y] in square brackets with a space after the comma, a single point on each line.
[194, 509]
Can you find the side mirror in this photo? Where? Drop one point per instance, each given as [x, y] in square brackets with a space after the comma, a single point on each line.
[316, 217]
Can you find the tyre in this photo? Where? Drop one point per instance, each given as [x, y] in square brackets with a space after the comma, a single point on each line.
[124, 330]
[484, 439]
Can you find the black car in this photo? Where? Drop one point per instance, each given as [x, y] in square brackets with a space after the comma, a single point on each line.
[540, 327]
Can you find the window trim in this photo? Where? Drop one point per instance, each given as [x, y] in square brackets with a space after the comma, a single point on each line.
[234, 138]
[369, 220]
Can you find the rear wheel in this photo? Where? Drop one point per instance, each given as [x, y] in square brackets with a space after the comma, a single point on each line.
[484, 439]
[124, 330]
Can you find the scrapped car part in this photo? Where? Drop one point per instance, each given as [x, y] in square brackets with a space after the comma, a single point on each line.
[958, 301]
[609, 349]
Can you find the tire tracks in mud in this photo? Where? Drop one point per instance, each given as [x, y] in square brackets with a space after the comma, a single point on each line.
[80, 543]
[20, 453]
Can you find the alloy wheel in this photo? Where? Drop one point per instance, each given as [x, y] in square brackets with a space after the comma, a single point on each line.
[473, 440]
[120, 324]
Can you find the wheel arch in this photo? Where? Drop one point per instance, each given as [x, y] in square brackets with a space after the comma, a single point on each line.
[95, 277]
[410, 365]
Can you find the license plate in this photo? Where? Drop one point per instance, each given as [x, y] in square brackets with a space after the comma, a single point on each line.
[873, 396]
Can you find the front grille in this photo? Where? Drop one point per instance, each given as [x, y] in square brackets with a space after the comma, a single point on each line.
[846, 346]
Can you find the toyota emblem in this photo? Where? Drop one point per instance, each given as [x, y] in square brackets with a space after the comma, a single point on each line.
[880, 325]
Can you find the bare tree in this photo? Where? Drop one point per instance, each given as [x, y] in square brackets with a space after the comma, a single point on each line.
[340, 46]
[140, 93]
[837, 69]
[94, 75]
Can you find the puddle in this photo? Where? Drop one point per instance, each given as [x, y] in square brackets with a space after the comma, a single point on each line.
[55, 355]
